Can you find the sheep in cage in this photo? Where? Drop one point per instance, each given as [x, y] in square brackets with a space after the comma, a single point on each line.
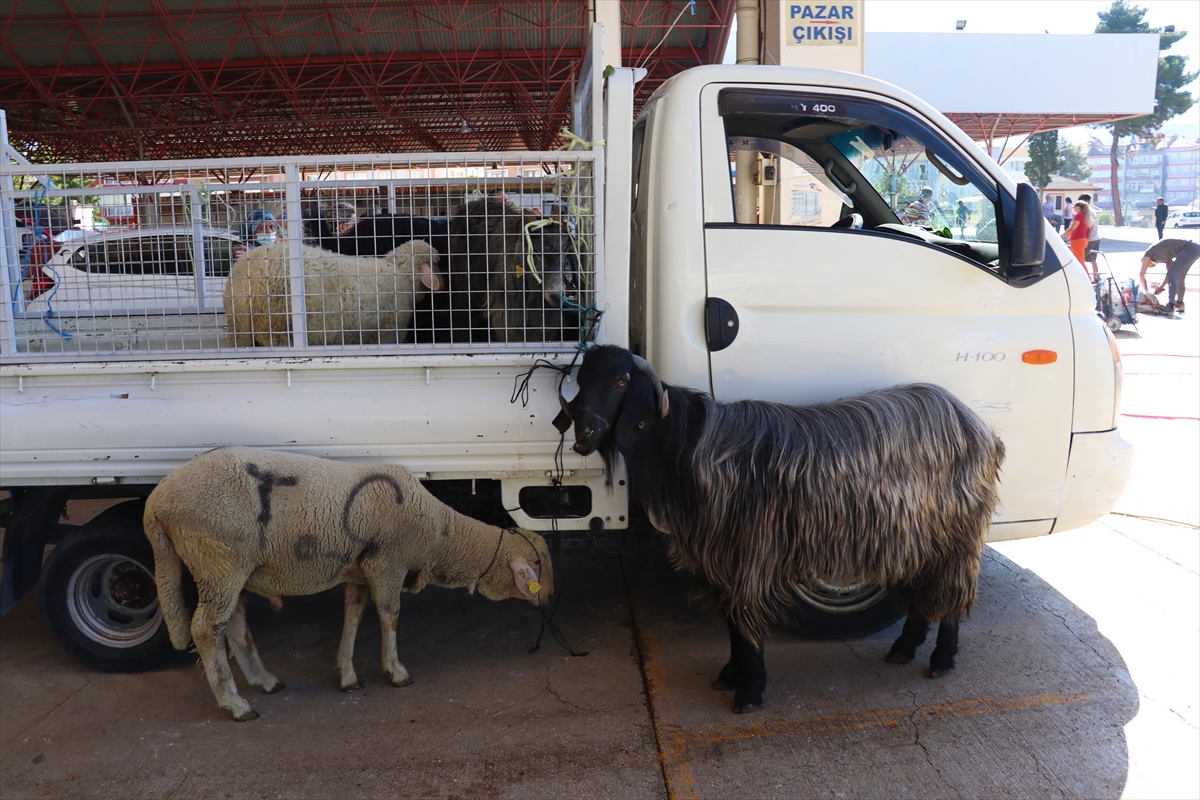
[348, 300]
[526, 296]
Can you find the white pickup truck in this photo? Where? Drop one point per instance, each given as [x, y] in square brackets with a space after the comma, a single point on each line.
[822, 271]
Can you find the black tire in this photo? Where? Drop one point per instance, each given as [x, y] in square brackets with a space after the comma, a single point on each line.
[829, 611]
[98, 597]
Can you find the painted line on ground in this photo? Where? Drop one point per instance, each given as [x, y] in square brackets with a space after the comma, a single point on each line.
[672, 743]
[884, 719]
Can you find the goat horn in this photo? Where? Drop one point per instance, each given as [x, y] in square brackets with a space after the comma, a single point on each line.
[660, 396]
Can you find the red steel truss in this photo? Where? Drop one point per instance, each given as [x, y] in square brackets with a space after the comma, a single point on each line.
[99, 80]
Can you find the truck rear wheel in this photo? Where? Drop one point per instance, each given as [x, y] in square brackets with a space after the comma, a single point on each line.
[839, 611]
[98, 596]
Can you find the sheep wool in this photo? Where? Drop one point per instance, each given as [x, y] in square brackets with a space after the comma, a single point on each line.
[279, 524]
[348, 300]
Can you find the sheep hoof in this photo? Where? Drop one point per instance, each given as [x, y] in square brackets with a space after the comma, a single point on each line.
[246, 716]
[273, 689]
[937, 672]
[747, 708]
[407, 681]
[352, 687]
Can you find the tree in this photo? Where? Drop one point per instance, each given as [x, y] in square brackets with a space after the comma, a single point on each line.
[1170, 99]
[1043, 158]
[1072, 162]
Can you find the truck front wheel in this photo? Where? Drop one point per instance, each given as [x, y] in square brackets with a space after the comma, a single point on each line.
[839, 611]
[98, 596]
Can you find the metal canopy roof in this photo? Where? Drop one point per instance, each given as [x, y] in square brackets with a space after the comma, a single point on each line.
[99, 80]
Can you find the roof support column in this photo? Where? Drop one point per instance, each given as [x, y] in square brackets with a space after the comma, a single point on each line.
[608, 14]
[745, 193]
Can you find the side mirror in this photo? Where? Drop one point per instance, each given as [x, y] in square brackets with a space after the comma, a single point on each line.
[1027, 250]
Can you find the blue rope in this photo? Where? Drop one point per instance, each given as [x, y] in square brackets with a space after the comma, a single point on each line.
[588, 314]
[39, 202]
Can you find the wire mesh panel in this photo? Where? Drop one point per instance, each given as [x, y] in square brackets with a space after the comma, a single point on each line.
[352, 254]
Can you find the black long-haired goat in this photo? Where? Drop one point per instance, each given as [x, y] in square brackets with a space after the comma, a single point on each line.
[894, 487]
[522, 294]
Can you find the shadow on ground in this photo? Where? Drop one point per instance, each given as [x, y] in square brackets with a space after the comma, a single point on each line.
[1037, 706]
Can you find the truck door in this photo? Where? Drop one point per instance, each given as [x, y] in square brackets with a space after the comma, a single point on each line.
[874, 259]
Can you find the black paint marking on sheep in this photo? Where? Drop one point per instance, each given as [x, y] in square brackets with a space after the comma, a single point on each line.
[267, 481]
[307, 548]
[894, 487]
[363, 541]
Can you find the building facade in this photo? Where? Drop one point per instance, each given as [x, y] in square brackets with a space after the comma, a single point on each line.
[1170, 170]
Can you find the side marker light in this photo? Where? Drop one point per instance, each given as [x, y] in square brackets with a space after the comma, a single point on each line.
[1039, 357]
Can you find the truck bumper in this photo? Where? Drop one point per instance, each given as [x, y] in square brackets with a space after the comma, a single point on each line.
[1097, 471]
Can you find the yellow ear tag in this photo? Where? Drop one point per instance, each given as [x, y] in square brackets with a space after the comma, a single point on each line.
[534, 588]
[520, 270]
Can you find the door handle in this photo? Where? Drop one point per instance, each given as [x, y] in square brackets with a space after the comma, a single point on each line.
[721, 324]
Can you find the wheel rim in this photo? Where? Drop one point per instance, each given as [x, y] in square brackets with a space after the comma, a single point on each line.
[113, 601]
[839, 598]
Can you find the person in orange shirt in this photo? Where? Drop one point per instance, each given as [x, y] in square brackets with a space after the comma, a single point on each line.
[1077, 234]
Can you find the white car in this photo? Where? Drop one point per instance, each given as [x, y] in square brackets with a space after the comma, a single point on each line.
[1183, 219]
[138, 271]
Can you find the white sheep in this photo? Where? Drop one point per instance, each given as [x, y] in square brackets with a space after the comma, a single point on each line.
[348, 299]
[284, 524]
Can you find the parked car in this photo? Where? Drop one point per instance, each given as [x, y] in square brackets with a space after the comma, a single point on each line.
[143, 269]
[1183, 219]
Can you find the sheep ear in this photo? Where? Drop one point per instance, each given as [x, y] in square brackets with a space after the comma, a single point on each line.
[430, 279]
[523, 574]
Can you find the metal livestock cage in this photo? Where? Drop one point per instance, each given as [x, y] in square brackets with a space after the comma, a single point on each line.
[127, 261]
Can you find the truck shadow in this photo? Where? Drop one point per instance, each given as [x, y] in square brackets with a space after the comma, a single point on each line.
[1037, 705]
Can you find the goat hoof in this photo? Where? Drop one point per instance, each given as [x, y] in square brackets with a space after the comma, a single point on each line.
[405, 682]
[746, 708]
[899, 656]
[939, 667]
[722, 686]
[246, 716]
[273, 689]
[352, 687]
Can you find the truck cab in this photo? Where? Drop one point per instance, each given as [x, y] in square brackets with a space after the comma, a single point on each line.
[881, 246]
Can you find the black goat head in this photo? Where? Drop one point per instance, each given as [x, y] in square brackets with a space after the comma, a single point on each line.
[620, 399]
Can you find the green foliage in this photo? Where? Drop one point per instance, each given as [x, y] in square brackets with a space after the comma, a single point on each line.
[1104, 218]
[1043, 158]
[1072, 162]
[1170, 98]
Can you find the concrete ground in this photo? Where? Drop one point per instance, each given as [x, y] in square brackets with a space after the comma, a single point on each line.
[1078, 675]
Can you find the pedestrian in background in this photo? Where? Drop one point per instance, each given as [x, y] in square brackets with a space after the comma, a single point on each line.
[257, 230]
[1160, 215]
[960, 217]
[1068, 213]
[1178, 255]
[1077, 232]
[1093, 245]
[1048, 213]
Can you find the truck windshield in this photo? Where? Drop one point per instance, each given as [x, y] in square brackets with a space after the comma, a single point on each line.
[825, 162]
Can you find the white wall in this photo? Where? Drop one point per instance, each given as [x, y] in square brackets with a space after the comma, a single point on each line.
[1020, 73]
